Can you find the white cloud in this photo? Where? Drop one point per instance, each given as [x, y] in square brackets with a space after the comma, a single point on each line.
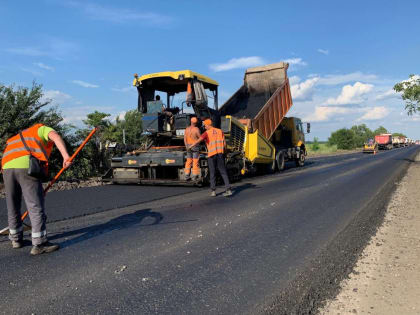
[85, 84]
[124, 89]
[253, 61]
[323, 51]
[43, 66]
[375, 113]
[388, 94]
[76, 114]
[324, 113]
[118, 15]
[52, 47]
[351, 94]
[295, 62]
[294, 80]
[27, 51]
[120, 116]
[336, 79]
[55, 97]
[33, 72]
[304, 91]
[238, 63]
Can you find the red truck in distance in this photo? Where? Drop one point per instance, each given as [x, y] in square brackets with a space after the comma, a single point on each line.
[384, 141]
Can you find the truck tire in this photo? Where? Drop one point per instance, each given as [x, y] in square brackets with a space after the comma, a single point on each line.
[271, 167]
[301, 160]
[280, 161]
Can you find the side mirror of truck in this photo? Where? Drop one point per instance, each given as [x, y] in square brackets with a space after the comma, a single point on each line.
[308, 127]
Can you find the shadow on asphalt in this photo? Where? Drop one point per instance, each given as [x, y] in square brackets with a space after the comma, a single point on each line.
[240, 188]
[119, 223]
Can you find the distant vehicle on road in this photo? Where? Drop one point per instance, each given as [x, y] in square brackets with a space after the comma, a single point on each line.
[370, 146]
[384, 141]
[398, 141]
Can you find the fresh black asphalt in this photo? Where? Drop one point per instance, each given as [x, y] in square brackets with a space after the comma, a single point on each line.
[280, 245]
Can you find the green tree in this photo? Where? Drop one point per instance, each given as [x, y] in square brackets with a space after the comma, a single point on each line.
[380, 130]
[361, 134]
[315, 144]
[132, 125]
[344, 139]
[92, 160]
[399, 134]
[22, 107]
[410, 90]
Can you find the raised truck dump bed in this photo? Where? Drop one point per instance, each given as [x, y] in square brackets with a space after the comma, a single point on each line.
[263, 100]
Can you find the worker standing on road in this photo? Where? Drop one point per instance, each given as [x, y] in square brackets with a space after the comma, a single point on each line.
[215, 141]
[192, 134]
[39, 139]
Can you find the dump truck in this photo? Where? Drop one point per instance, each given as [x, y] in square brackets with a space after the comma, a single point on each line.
[398, 141]
[384, 141]
[259, 138]
[261, 105]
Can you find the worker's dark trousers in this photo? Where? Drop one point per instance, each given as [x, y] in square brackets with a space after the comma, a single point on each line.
[218, 162]
[18, 183]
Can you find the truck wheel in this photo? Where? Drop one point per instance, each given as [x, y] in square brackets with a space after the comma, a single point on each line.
[280, 161]
[271, 167]
[301, 160]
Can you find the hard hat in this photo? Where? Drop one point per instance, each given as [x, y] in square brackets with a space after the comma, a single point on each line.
[194, 120]
[207, 122]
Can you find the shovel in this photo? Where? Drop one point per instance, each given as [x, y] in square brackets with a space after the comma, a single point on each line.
[5, 231]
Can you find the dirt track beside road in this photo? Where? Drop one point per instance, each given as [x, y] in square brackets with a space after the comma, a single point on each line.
[386, 277]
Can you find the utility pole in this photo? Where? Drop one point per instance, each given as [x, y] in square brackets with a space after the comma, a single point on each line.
[124, 136]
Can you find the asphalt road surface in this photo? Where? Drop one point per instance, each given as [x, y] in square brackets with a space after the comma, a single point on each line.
[281, 244]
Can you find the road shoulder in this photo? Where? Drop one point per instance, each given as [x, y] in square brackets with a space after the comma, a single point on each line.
[385, 278]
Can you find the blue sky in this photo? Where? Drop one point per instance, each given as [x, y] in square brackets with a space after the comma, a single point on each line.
[344, 56]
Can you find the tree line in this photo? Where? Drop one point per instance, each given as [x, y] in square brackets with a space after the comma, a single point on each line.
[22, 107]
[356, 136]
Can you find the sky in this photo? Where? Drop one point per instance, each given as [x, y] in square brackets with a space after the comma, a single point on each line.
[344, 56]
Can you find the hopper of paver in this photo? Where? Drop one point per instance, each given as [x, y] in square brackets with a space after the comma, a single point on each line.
[263, 100]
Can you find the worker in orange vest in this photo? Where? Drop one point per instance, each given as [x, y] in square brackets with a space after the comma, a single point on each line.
[215, 141]
[38, 142]
[192, 134]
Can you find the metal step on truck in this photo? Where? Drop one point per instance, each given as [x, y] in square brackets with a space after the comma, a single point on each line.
[259, 137]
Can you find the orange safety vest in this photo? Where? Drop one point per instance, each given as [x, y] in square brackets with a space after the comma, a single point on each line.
[15, 148]
[216, 142]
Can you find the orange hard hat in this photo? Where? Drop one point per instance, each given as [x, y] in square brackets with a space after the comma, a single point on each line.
[194, 120]
[207, 122]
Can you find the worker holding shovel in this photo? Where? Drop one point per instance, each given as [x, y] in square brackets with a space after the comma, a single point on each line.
[25, 165]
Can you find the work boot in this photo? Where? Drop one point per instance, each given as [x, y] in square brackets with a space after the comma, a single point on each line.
[228, 193]
[17, 244]
[213, 193]
[46, 247]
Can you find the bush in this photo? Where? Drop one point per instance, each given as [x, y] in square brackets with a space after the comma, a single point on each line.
[344, 139]
[315, 145]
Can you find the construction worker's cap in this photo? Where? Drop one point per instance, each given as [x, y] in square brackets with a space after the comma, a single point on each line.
[194, 120]
[207, 122]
